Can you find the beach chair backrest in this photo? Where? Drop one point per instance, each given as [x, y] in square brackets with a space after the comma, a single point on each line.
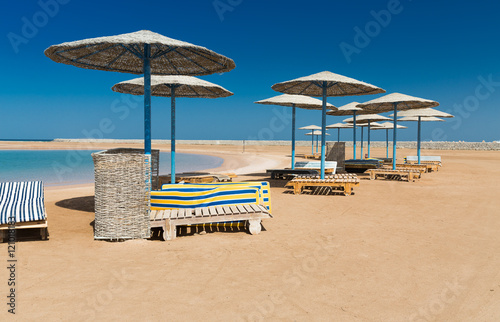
[21, 202]
[315, 164]
[433, 158]
[263, 187]
[176, 196]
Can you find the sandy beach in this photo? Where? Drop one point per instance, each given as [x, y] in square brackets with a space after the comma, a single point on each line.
[394, 251]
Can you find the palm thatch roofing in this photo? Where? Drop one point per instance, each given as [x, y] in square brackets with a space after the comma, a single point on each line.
[423, 119]
[310, 127]
[365, 118]
[126, 52]
[348, 109]
[404, 102]
[315, 132]
[301, 101]
[390, 125]
[339, 126]
[185, 86]
[424, 112]
[337, 85]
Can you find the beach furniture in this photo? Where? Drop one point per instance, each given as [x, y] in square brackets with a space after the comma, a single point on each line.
[423, 168]
[342, 182]
[196, 177]
[288, 174]
[330, 166]
[22, 207]
[193, 204]
[398, 174]
[263, 188]
[428, 159]
[361, 165]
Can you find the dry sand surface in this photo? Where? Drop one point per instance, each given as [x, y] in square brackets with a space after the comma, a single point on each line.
[394, 251]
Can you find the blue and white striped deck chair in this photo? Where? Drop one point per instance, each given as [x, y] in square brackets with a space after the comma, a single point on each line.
[22, 206]
[178, 196]
[262, 186]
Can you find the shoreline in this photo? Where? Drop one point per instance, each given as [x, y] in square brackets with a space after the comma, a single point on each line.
[233, 162]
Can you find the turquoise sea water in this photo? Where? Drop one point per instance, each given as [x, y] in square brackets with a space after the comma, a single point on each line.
[61, 167]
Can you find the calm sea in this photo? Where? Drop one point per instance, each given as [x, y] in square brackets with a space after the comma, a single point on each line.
[62, 167]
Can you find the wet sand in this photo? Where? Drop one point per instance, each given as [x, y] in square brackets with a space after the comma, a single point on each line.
[394, 251]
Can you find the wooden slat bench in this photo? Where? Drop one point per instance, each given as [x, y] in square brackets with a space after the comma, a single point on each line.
[401, 174]
[171, 218]
[432, 165]
[422, 168]
[346, 182]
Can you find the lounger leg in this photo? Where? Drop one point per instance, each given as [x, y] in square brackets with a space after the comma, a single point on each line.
[44, 233]
[254, 226]
[347, 189]
[169, 230]
[372, 175]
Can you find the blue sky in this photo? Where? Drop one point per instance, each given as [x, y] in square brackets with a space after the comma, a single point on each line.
[446, 51]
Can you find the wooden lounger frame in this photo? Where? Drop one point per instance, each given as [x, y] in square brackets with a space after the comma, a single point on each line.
[41, 224]
[398, 174]
[171, 218]
[434, 165]
[345, 182]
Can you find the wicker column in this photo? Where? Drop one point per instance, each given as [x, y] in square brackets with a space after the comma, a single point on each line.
[122, 193]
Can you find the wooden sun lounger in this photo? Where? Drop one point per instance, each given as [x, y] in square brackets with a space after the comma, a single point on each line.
[171, 218]
[433, 165]
[398, 174]
[346, 183]
[422, 168]
[196, 178]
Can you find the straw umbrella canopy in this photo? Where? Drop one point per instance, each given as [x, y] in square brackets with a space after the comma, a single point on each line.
[141, 52]
[368, 118]
[350, 109]
[173, 86]
[421, 119]
[294, 101]
[339, 126]
[421, 113]
[311, 127]
[326, 84]
[387, 126]
[396, 102]
[316, 133]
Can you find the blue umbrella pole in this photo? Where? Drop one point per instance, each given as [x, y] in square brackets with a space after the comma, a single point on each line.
[387, 143]
[362, 128]
[312, 144]
[418, 138]
[394, 136]
[368, 138]
[338, 135]
[317, 142]
[293, 136]
[147, 99]
[323, 132]
[172, 136]
[354, 135]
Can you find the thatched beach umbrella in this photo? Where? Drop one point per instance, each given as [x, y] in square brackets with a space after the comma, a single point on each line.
[294, 101]
[367, 119]
[141, 52]
[326, 84]
[427, 113]
[388, 126]
[350, 109]
[316, 133]
[339, 126]
[311, 127]
[421, 119]
[173, 86]
[396, 102]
